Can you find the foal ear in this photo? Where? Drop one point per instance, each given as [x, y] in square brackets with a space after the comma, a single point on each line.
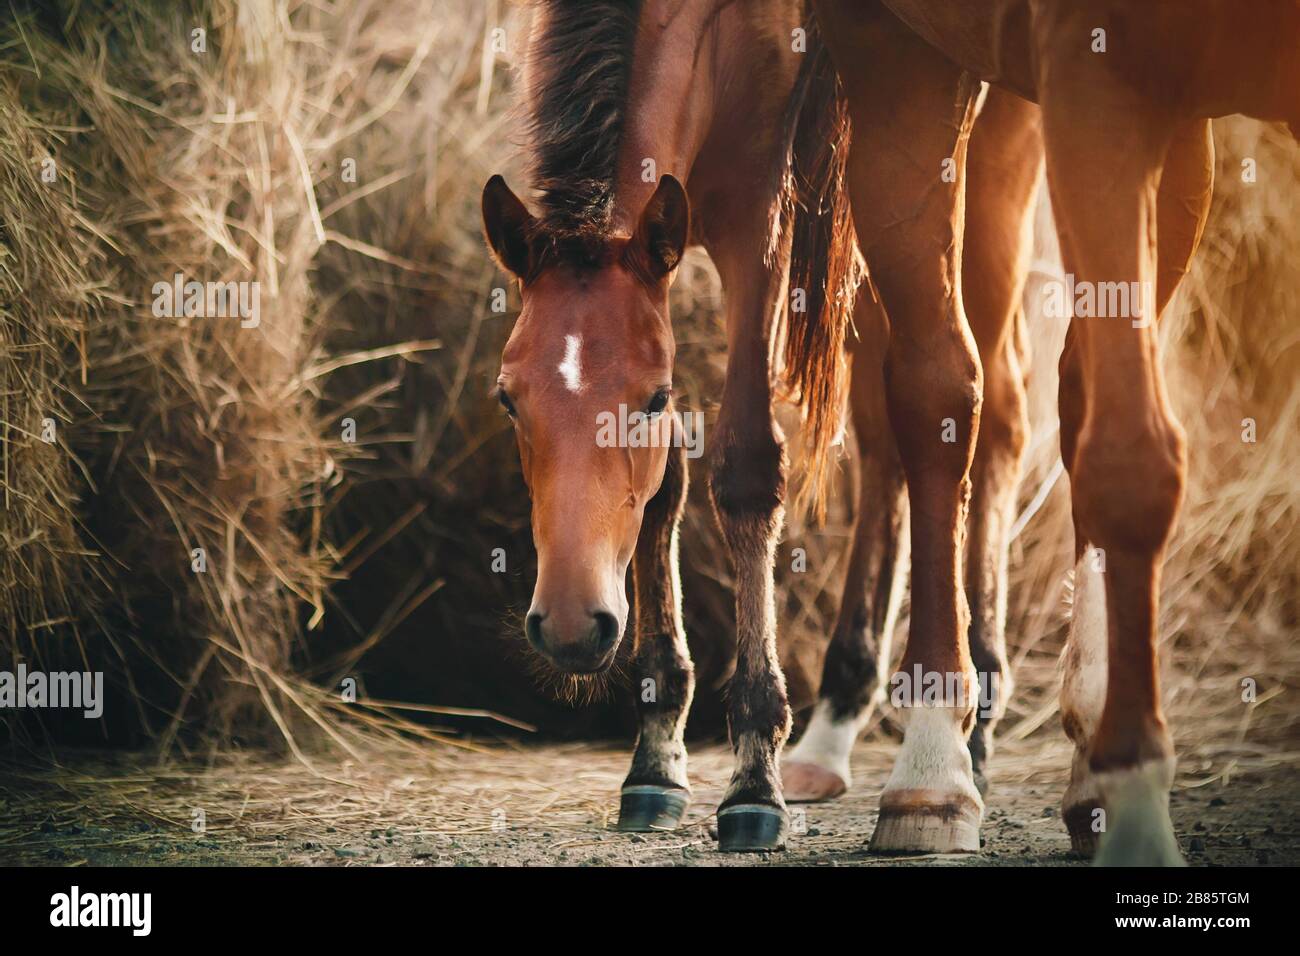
[665, 227]
[507, 224]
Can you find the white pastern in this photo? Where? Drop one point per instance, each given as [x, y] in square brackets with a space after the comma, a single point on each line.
[571, 368]
[827, 743]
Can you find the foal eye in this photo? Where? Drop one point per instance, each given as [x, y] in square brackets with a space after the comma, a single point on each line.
[659, 402]
[504, 399]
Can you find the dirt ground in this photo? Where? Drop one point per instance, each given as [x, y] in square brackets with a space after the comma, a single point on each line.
[505, 803]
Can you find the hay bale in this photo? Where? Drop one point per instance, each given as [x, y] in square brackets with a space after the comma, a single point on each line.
[49, 573]
[206, 448]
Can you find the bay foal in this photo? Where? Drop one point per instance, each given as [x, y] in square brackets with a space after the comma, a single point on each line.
[628, 101]
[1126, 90]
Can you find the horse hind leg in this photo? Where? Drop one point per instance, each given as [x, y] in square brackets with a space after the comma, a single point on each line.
[1127, 453]
[1186, 187]
[817, 768]
[911, 118]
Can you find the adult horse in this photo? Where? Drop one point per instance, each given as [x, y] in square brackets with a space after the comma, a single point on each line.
[1127, 90]
[628, 100]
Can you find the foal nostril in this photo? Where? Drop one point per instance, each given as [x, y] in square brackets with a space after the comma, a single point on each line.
[606, 630]
[582, 645]
[533, 629]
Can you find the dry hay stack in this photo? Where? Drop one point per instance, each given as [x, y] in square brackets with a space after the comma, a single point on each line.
[223, 458]
[190, 154]
[1232, 580]
[47, 577]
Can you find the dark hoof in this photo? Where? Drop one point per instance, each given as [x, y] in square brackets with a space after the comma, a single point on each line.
[751, 828]
[647, 809]
[1079, 820]
[979, 755]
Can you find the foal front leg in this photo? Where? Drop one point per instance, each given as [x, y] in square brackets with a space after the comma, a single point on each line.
[656, 792]
[748, 487]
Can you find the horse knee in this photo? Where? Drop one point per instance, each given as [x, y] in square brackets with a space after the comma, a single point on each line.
[662, 660]
[1004, 418]
[1128, 483]
[747, 482]
[935, 392]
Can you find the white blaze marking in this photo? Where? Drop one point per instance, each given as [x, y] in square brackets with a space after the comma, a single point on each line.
[571, 367]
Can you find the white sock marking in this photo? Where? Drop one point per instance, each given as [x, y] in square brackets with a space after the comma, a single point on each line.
[828, 743]
[934, 755]
[1083, 684]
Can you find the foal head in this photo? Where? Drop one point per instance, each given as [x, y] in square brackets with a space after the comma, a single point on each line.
[592, 351]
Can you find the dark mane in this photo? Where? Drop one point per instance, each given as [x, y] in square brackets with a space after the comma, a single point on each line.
[581, 65]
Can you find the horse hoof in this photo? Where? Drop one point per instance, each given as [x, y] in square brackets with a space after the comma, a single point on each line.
[1138, 831]
[933, 825]
[805, 782]
[1154, 846]
[649, 809]
[1079, 821]
[751, 828]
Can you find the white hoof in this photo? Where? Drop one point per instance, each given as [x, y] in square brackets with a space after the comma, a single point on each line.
[810, 783]
[1138, 831]
[933, 824]
[817, 768]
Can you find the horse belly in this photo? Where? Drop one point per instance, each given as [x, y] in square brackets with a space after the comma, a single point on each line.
[990, 39]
